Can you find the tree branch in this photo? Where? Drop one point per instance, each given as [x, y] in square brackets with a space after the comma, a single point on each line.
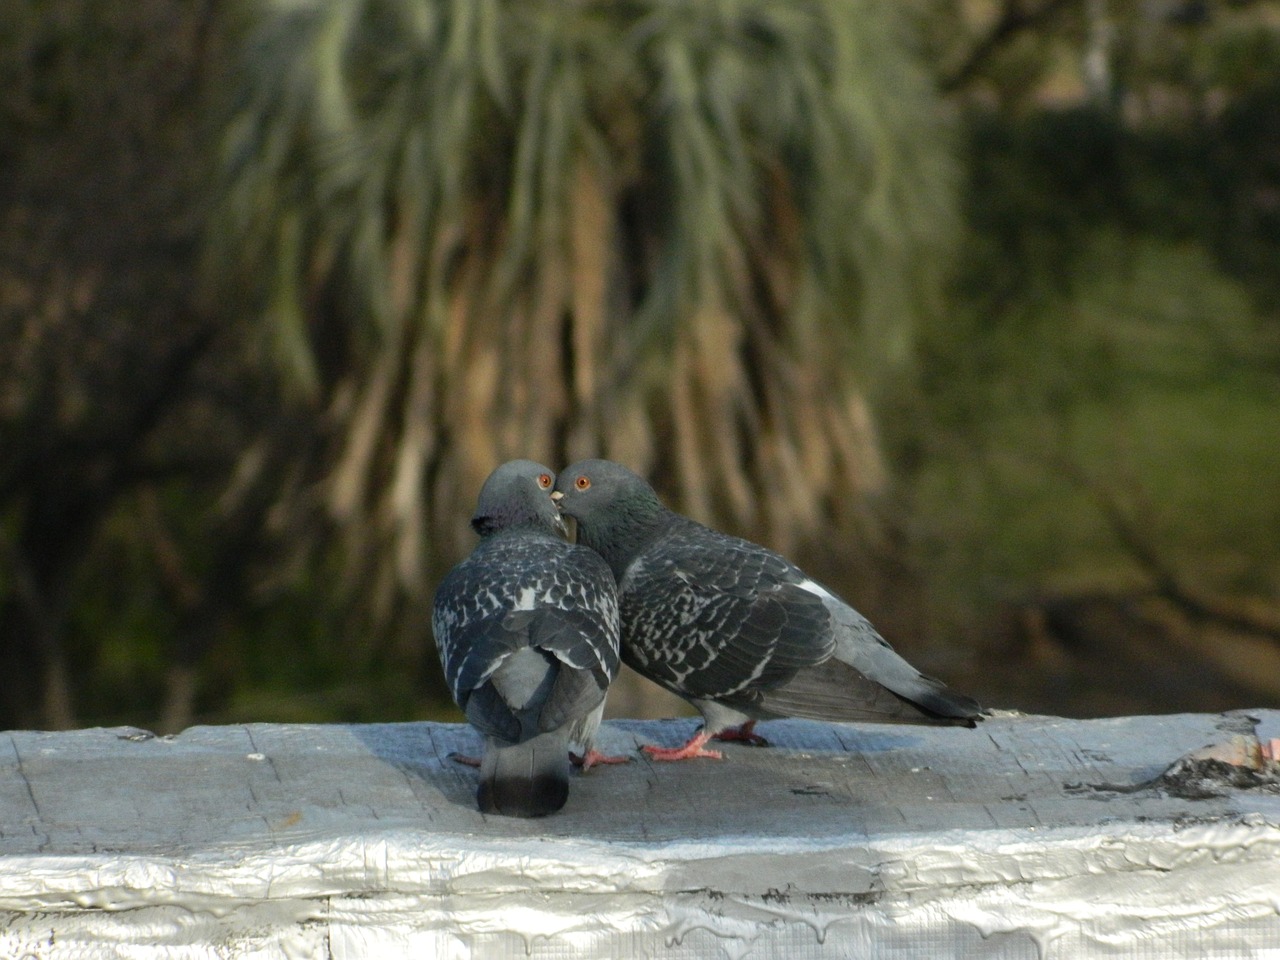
[1169, 584]
[1014, 19]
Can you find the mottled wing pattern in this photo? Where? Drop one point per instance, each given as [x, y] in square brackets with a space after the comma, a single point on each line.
[709, 616]
[527, 591]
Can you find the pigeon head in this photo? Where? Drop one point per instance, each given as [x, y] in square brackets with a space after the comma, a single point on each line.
[518, 493]
[616, 510]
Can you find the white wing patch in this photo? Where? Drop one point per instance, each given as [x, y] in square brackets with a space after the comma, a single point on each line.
[526, 600]
[818, 590]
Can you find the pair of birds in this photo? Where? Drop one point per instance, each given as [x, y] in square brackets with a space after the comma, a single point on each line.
[530, 628]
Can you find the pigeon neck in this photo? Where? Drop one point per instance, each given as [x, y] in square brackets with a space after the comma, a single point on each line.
[627, 533]
[487, 525]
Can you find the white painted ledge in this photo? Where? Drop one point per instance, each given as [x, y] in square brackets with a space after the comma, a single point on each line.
[840, 840]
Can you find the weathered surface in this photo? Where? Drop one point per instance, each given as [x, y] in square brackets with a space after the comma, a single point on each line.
[1011, 840]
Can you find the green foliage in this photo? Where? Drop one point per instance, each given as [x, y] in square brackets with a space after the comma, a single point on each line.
[662, 232]
[695, 235]
[1114, 337]
[364, 122]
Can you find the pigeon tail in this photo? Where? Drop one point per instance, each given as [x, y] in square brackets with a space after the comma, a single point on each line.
[942, 705]
[529, 779]
[866, 680]
[837, 692]
[923, 698]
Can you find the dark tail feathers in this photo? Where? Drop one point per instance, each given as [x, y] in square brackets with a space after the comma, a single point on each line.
[529, 779]
[837, 691]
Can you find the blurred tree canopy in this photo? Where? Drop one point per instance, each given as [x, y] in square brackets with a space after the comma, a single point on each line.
[1101, 398]
[981, 294]
[661, 233]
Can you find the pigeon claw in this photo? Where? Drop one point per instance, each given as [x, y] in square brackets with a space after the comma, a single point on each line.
[463, 759]
[692, 750]
[592, 757]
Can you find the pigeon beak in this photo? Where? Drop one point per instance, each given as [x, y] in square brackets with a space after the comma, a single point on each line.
[568, 525]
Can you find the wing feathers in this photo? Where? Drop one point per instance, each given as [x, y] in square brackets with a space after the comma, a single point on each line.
[715, 618]
[528, 634]
[707, 615]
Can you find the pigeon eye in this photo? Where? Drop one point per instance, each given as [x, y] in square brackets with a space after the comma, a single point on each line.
[582, 483]
[544, 480]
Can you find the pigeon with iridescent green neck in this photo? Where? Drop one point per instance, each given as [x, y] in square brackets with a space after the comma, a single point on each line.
[736, 629]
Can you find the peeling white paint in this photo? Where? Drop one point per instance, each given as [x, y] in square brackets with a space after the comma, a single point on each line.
[364, 842]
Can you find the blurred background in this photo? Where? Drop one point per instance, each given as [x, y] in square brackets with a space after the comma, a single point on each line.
[970, 306]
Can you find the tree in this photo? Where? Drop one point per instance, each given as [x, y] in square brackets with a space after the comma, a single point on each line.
[1100, 395]
[688, 236]
[139, 451]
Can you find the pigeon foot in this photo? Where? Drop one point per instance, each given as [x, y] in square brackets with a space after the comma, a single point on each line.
[592, 757]
[692, 750]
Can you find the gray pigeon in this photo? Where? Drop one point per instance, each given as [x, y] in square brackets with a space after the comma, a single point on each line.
[735, 629]
[527, 628]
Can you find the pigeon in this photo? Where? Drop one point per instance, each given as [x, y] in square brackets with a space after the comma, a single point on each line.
[736, 629]
[527, 630]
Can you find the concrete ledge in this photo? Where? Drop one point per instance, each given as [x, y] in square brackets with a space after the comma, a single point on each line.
[1028, 837]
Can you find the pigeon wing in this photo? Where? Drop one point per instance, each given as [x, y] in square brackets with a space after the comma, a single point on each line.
[709, 616]
[528, 635]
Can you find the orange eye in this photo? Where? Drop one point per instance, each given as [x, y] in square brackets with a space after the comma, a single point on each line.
[582, 483]
[544, 480]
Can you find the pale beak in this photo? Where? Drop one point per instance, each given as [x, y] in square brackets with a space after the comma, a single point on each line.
[557, 496]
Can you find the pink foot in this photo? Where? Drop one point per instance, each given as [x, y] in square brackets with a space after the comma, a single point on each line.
[463, 759]
[742, 734]
[592, 757]
[690, 751]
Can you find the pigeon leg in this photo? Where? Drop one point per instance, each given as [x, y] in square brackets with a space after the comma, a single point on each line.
[743, 734]
[463, 759]
[691, 750]
[589, 759]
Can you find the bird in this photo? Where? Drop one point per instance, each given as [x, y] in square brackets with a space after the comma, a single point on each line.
[527, 631]
[736, 629]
